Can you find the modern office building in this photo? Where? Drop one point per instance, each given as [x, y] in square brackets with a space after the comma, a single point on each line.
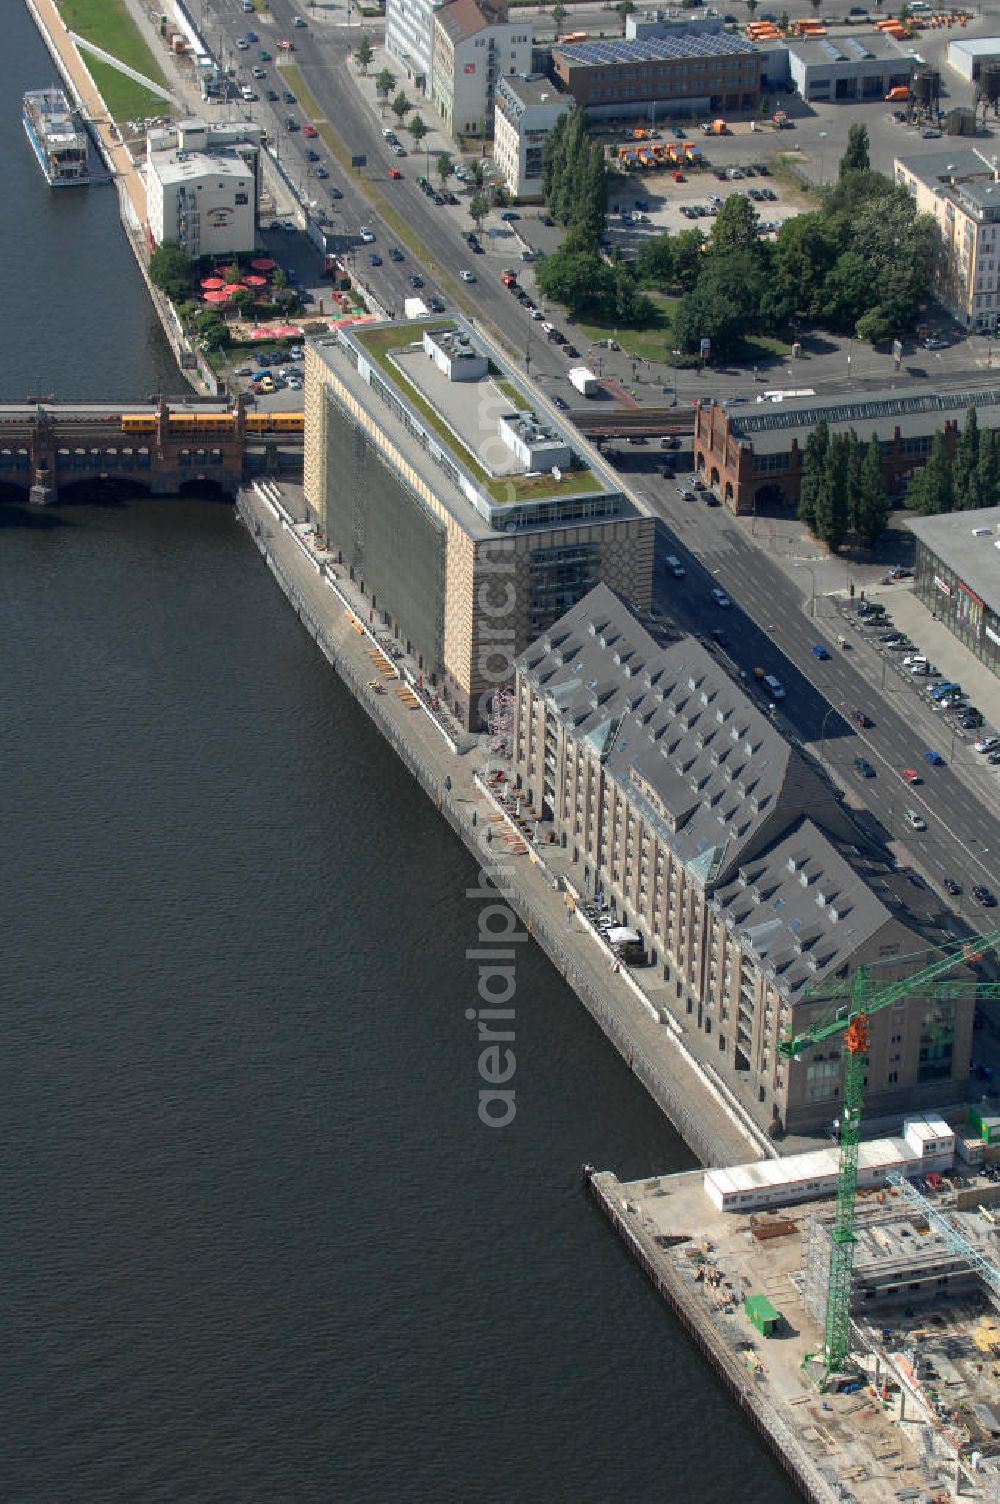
[202, 187]
[409, 37]
[527, 109]
[752, 456]
[469, 515]
[849, 68]
[959, 188]
[686, 73]
[958, 576]
[681, 804]
[475, 46]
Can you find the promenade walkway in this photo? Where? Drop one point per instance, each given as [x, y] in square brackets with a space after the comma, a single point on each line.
[657, 1052]
[74, 70]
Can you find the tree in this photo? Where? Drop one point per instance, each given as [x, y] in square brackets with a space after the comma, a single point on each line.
[574, 276]
[856, 157]
[417, 129]
[479, 207]
[559, 14]
[364, 54]
[385, 82]
[172, 271]
[655, 262]
[445, 167]
[873, 504]
[400, 106]
[855, 464]
[966, 466]
[930, 489]
[751, 8]
[736, 226]
[625, 9]
[232, 275]
[243, 302]
[689, 254]
[279, 279]
[703, 315]
[813, 462]
[831, 525]
[212, 330]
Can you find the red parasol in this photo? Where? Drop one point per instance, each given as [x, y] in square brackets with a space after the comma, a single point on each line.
[263, 264]
[217, 295]
[211, 284]
[252, 281]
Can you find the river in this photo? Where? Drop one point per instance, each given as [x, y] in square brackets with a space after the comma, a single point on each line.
[256, 1244]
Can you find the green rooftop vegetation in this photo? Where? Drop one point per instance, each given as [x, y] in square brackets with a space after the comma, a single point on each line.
[510, 489]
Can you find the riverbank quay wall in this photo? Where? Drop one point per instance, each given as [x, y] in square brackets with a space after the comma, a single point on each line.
[654, 1053]
[747, 1389]
[131, 189]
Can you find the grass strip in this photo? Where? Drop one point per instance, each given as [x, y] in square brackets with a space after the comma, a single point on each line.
[380, 342]
[109, 26]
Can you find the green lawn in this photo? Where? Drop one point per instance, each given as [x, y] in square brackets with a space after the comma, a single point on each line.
[513, 488]
[514, 397]
[108, 24]
[654, 341]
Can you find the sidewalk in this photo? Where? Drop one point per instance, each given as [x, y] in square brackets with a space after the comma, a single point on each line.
[533, 883]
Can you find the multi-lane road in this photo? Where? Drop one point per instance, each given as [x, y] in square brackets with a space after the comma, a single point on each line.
[766, 626]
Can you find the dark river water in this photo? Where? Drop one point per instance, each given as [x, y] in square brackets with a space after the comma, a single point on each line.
[256, 1246]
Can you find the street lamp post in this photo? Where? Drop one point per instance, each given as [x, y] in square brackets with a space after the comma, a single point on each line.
[822, 155]
[812, 577]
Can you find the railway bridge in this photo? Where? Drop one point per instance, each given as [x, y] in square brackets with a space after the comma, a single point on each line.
[48, 449]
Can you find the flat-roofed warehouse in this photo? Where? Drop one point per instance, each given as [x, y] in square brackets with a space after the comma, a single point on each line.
[703, 72]
[752, 456]
[849, 68]
[957, 575]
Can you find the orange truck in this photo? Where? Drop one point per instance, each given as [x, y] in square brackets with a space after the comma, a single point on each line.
[899, 95]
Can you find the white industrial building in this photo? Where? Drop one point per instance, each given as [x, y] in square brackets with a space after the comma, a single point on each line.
[202, 186]
[475, 46]
[967, 55]
[850, 68]
[927, 1144]
[527, 109]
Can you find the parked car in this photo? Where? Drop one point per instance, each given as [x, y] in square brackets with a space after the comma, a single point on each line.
[982, 894]
[395, 254]
[861, 719]
[466, 275]
[915, 820]
[910, 775]
[720, 597]
[952, 887]
[819, 651]
[864, 767]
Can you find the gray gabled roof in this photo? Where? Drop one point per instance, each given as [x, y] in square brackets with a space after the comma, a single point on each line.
[752, 821]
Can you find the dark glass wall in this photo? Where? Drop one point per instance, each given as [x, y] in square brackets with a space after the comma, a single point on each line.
[393, 545]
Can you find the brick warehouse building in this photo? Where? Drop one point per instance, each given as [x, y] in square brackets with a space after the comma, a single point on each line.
[752, 456]
[708, 72]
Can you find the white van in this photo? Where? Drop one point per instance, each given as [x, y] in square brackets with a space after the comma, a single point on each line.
[247, 92]
[675, 566]
[774, 687]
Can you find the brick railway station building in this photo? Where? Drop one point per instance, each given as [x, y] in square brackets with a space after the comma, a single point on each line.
[752, 456]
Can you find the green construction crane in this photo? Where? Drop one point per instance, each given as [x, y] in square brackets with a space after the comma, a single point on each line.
[856, 1001]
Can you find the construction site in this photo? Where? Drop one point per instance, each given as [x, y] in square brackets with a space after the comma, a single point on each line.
[849, 1297]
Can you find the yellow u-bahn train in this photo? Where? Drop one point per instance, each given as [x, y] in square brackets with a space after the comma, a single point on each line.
[224, 422]
[274, 422]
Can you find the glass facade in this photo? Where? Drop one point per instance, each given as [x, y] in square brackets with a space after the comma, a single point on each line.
[559, 578]
[972, 619]
[394, 546]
